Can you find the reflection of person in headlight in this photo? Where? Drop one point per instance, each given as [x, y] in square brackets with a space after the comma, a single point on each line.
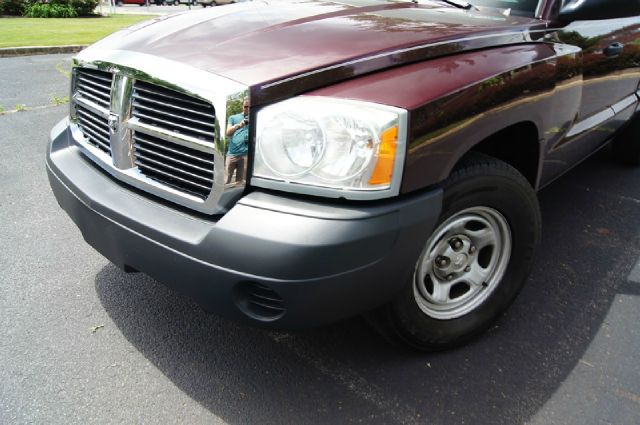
[238, 131]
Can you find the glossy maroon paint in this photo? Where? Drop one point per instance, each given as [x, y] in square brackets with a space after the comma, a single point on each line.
[257, 43]
[465, 76]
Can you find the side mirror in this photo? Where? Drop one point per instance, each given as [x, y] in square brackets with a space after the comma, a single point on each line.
[586, 10]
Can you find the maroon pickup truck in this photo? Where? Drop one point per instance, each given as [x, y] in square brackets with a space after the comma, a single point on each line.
[291, 164]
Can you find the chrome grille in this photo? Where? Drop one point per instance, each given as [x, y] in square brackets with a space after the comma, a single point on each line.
[95, 86]
[94, 127]
[173, 111]
[178, 166]
[93, 98]
[140, 122]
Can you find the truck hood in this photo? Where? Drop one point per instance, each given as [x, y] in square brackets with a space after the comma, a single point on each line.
[267, 41]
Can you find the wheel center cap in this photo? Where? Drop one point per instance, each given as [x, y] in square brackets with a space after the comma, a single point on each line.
[459, 260]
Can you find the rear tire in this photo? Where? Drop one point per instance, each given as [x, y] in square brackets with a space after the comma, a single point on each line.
[626, 145]
[475, 262]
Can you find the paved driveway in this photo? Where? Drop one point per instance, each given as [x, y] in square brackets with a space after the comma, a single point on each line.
[82, 342]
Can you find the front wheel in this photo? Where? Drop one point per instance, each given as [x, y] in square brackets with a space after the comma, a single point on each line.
[473, 264]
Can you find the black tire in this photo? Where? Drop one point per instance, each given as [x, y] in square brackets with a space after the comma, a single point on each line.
[626, 145]
[478, 183]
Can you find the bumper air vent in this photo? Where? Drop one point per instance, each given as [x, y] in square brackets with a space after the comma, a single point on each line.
[259, 301]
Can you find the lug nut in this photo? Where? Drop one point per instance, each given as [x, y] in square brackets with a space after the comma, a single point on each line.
[472, 249]
[467, 269]
[455, 243]
[442, 262]
[450, 277]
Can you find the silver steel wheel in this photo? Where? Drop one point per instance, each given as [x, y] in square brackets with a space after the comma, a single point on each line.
[462, 263]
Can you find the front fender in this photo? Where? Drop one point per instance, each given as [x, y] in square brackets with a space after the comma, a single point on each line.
[457, 101]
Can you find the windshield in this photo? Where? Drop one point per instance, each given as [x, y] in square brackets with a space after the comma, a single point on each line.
[518, 7]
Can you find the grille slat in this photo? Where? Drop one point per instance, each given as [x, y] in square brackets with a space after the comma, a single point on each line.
[96, 99]
[191, 154]
[145, 159]
[174, 116]
[173, 126]
[176, 161]
[96, 75]
[94, 127]
[95, 121]
[146, 99]
[175, 165]
[173, 111]
[96, 130]
[96, 139]
[91, 82]
[95, 85]
[169, 94]
[143, 167]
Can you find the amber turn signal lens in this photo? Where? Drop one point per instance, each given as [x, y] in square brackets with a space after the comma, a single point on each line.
[386, 157]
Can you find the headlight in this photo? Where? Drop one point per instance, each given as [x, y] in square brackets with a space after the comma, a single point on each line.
[330, 147]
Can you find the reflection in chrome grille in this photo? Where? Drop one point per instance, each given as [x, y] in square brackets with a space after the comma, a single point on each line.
[175, 165]
[153, 133]
[95, 86]
[173, 111]
[94, 127]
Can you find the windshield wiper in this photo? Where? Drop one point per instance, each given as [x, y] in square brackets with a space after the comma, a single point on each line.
[461, 4]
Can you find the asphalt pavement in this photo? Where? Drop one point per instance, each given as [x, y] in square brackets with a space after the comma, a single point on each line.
[82, 342]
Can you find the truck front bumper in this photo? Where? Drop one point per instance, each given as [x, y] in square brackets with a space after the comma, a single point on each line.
[272, 260]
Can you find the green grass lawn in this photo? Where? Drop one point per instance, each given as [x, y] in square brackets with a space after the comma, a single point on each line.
[17, 32]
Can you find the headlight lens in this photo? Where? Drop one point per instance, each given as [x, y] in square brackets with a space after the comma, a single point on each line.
[334, 147]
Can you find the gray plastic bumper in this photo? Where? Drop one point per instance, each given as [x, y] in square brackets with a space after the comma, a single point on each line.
[273, 260]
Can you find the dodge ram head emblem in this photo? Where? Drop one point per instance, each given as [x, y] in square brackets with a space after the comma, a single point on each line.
[113, 123]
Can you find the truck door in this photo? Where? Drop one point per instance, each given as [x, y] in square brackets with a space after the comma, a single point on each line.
[611, 73]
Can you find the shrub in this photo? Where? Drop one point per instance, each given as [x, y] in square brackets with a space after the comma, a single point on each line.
[12, 7]
[84, 7]
[59, 8]
[48, 10]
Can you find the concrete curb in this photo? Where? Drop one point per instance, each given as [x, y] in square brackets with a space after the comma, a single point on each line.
[38, 50]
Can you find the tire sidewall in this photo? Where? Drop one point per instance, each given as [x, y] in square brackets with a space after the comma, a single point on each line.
[517, 203]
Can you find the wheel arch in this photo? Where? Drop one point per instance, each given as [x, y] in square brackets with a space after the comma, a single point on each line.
[518, 145]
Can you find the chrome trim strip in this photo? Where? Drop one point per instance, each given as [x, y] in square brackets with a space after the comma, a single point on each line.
[624, 103]
[169, 123]
[94, 107]
[602, 116]
[591, 122]
[178, 139]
